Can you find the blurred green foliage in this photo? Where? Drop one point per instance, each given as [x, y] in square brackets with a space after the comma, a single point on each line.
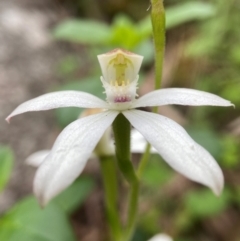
[75, 195]
[6, 165]
[213, 33]
[203, 204]
[26, 221]
[230, 152]
[124, 33]
[157, 173]
[206, 137]
[84, 31]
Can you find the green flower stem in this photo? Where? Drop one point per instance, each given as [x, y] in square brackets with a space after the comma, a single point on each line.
[158, 26]
[132, 210]
[111, 195]
[143, 161]
[121, 129]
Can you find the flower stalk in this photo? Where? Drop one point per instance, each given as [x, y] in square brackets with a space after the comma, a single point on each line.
[121, 129]
[159, 39]
[132, 210]
[158, 27]
[109, 176]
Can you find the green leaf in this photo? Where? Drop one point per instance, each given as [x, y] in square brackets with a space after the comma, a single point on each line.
[189, 11]
[91, 85]
[204, 203]
[156, 173]
[230, 152]
[124, 33]
[83, 31]
[27, 222]
[207, 138]
[6, 164]
[75, 195]
[231, 91]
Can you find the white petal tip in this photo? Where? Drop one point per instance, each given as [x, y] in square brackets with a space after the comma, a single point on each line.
[228, 104]
[41, 199]
[42, 203]
[8, 119]
[218, 185]
[43, 195]
[161, 237]
[218, 190]
[12, 114]
[39, 193]
[37, 158]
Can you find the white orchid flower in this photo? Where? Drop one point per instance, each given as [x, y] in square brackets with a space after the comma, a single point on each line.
[77, 141]
[161, 237]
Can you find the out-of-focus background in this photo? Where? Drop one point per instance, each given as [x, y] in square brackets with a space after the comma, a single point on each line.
[49, 45]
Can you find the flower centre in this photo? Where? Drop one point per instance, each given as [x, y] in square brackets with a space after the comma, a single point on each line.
[120, 64]
[120, 75]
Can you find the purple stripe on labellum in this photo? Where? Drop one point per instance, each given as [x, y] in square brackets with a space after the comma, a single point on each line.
[122, 99]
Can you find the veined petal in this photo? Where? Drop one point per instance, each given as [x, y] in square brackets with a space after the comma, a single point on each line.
[177, 148]
[180, 96]
[59, 99]
[37, 158]
[69, 154]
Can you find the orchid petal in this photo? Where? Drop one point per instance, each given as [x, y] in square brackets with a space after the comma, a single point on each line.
[37, 158]
[161, 237]
[180, 96]
[69, 154]
[105, 146]
[59, 99]
[177, 148]
[139, 143]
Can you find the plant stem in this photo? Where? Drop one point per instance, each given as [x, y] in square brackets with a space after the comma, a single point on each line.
[158, 26]
[111, 195]
[143, 161]
[121, 126]
[121, 129]
[132, 210]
